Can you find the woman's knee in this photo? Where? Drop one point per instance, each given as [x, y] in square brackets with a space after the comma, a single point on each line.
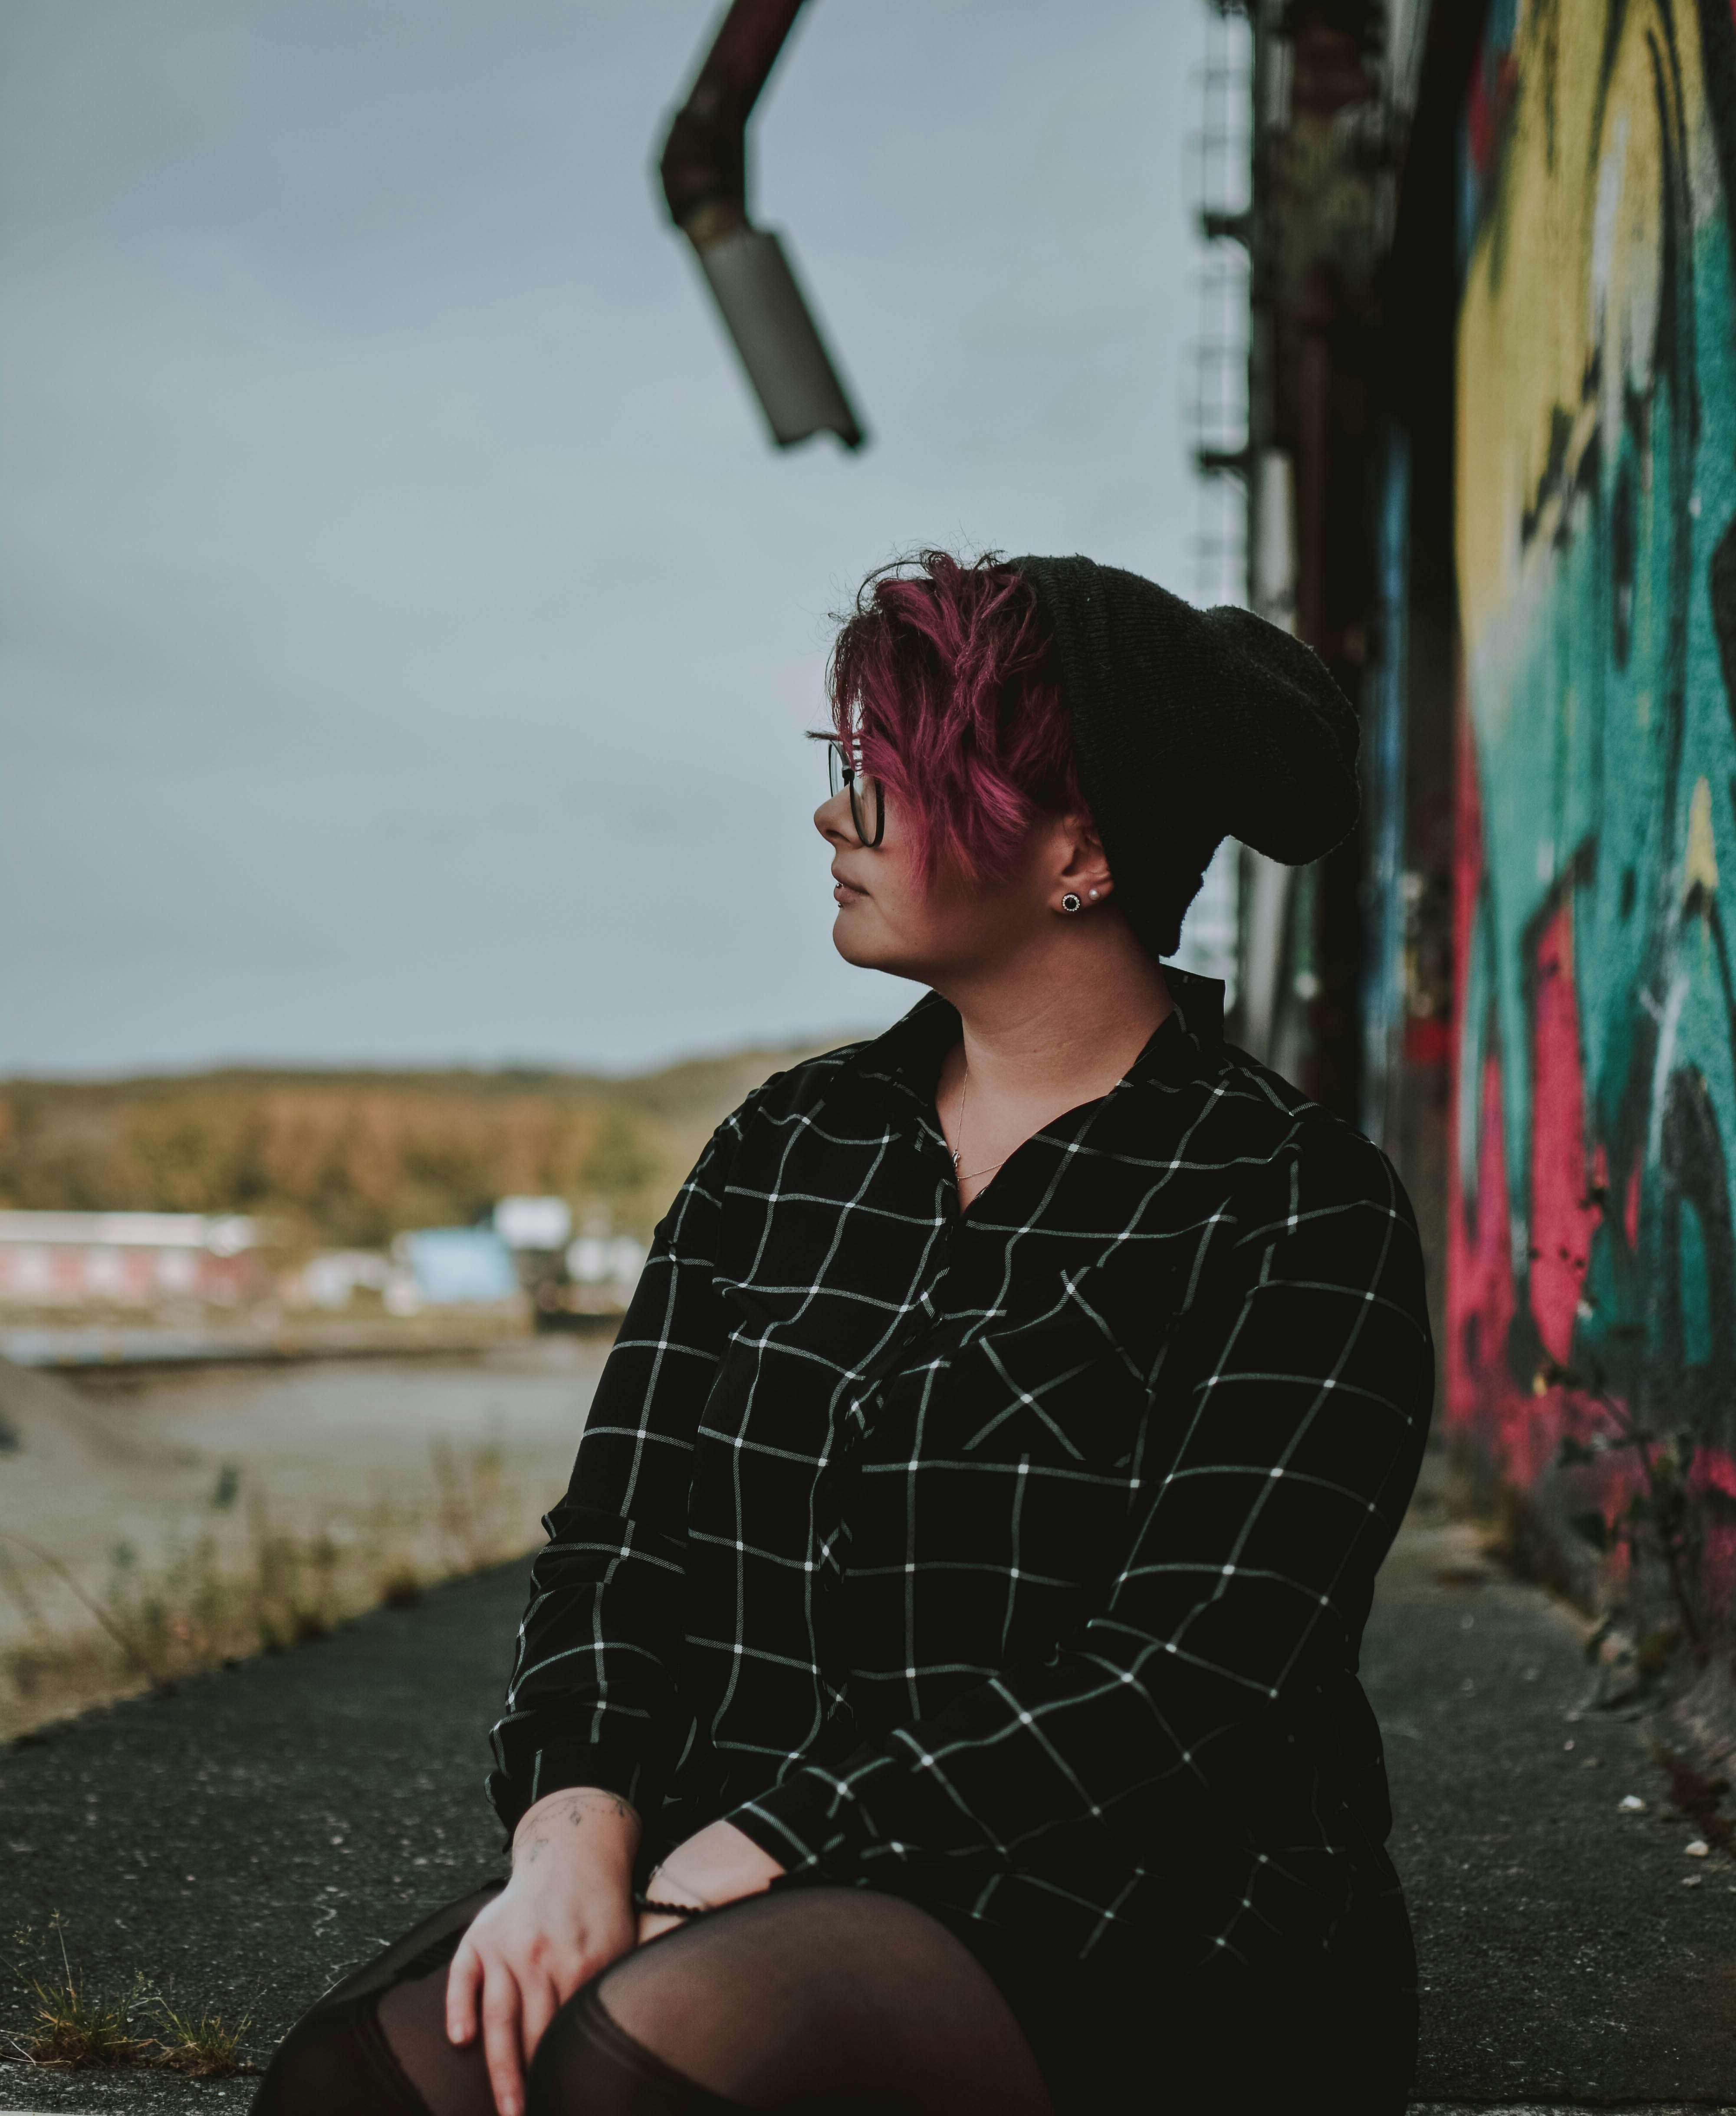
[587, 2065]
[821, 1992]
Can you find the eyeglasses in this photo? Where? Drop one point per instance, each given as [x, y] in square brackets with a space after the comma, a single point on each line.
[867, 810]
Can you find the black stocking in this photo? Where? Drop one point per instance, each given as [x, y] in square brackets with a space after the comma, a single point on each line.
[836, 1999]
[811, 1997]
[807, 1998]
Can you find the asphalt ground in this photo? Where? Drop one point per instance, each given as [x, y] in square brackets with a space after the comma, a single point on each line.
[242, 1842]
[1572, 1953]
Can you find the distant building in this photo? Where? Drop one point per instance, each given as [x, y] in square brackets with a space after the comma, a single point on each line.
[451, 1267]
[593, 1273]
[534, 1223]
[604, 1270]
[128, 1259]
[333, 1278]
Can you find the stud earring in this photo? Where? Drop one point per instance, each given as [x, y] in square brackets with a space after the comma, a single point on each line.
[1093, 896]
[1070, 901]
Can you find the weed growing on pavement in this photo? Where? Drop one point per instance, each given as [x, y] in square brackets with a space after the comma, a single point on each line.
[201, 2046]
[73, 2026]
[252, 1584]
[75, 2029]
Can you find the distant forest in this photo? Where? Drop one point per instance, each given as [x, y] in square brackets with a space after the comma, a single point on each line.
[348, 1159]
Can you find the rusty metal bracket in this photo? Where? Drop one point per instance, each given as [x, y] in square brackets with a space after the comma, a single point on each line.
[704, 172]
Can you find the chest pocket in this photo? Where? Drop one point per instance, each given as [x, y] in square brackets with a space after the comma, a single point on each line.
[1070, 1388]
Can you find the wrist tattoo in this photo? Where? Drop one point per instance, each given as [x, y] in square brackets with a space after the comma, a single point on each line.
[572, 1810]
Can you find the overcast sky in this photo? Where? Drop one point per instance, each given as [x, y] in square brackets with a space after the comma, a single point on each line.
[407, 631]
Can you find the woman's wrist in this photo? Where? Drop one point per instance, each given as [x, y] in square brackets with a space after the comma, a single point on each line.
[715, 1865]
[588, 1823]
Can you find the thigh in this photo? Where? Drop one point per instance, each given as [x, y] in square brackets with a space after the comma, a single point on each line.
[822, 1993]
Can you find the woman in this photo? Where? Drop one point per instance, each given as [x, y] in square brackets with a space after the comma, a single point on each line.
[945, 1651]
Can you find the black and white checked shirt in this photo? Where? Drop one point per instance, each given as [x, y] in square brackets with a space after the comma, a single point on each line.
[1015, 1560]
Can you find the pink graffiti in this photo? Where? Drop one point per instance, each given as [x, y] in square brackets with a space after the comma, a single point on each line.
[1564, 1214]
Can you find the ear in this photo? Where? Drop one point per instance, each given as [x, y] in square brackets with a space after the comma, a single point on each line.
[1083, 870]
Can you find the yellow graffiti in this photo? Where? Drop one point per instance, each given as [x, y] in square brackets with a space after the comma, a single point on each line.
[1700, 866]
[1562, 291]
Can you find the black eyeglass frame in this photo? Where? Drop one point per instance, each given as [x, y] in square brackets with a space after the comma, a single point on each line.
[845, 778]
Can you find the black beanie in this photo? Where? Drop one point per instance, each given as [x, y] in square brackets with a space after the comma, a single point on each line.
[1190, 726]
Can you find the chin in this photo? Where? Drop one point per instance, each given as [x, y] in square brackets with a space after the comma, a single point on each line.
[866, 946]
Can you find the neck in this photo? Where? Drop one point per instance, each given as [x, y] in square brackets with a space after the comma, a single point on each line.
[1066, 1018]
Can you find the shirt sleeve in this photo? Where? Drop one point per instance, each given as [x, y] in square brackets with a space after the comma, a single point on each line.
[1287, 1428]
[591, 1700]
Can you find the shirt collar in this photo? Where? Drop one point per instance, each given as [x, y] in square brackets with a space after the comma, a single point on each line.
[1199, 1004]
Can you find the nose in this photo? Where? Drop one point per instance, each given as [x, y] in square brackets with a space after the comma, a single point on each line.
[832, 819]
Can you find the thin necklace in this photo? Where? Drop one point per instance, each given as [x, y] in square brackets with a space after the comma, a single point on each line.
[960, 1175]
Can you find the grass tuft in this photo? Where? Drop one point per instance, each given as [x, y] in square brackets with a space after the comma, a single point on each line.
[201, 2046]
[73, 2027]
[77, 2030]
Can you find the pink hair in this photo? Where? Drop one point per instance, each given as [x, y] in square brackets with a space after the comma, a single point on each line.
[941, 676]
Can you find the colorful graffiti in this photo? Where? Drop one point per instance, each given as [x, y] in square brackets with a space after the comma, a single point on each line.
[1594, 1142]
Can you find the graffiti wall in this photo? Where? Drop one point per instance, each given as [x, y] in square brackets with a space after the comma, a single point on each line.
[1592, 1338]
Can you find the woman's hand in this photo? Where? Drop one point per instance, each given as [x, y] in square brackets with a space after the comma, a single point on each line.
[566, 1913]
[715, 1865]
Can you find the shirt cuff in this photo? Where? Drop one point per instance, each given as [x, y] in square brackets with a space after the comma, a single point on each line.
[611, 1766]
